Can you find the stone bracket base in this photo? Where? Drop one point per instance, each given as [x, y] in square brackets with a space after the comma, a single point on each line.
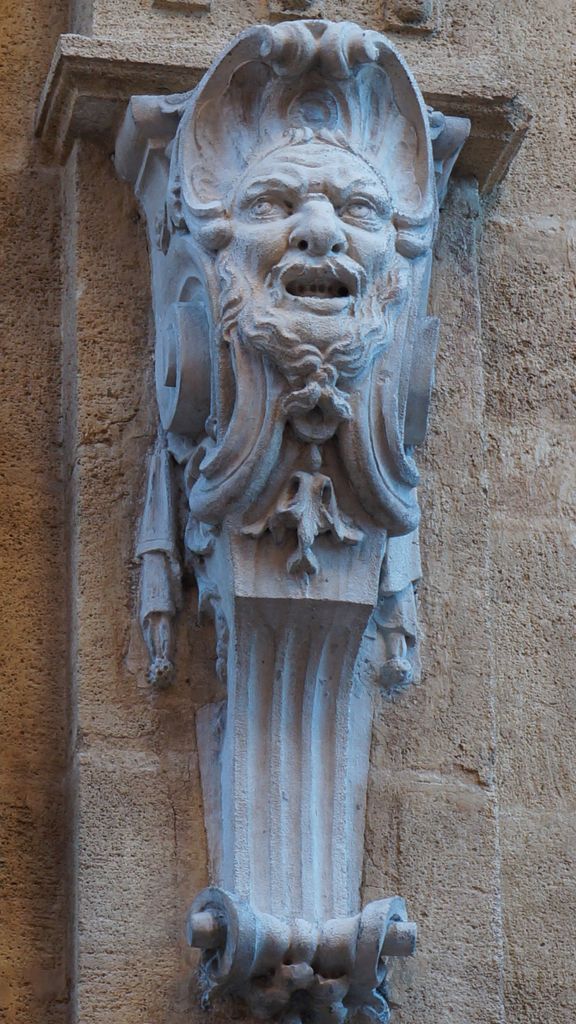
[295, 970]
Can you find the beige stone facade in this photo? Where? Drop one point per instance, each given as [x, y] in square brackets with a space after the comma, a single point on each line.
[472, 789]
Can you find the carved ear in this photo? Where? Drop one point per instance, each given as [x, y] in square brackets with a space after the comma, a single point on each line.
[149, 121]
[183, 367]
[448, 136]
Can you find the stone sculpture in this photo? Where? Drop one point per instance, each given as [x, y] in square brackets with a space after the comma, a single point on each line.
[292, 201]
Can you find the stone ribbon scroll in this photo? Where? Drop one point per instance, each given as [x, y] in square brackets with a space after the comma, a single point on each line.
[292, 201]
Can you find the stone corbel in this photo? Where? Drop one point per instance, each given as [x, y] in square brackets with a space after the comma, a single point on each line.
[291, 201]
[90, 81]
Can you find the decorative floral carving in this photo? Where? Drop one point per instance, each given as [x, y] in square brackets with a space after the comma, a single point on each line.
[308, 505]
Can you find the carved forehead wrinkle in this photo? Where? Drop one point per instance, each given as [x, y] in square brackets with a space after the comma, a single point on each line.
[282, 168]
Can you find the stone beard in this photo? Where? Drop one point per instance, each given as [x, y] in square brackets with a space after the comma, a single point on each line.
[312, 274]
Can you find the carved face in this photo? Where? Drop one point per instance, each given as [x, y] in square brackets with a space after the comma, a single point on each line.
[310, 275]
[312, 222]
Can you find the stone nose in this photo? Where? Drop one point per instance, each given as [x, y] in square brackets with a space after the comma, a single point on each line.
[318, 230]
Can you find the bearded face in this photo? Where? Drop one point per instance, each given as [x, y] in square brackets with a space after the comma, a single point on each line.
[310, 274]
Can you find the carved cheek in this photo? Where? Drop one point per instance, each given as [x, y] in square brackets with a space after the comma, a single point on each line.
[260, 246]
[373, 250]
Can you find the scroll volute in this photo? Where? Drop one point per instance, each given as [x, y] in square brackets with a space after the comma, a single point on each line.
[183, 363]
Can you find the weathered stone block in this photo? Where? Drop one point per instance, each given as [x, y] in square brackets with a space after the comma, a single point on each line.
[435, 837]
[538, 883]
[528, 318]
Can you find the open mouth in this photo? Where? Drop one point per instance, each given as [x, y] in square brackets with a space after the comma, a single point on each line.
[325, 284]
[318, 289]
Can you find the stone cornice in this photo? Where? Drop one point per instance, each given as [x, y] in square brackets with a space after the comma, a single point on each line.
[91, 80]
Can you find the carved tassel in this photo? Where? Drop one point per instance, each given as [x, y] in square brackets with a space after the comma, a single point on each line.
[160, 567]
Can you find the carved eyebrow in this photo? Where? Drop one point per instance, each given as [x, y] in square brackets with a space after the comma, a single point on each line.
[366, 187]
[297, 186]
[262, 185]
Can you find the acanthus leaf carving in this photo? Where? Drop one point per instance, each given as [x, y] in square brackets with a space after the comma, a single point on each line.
[308, 506]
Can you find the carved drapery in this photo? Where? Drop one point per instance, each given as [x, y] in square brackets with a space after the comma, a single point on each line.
[291, 202]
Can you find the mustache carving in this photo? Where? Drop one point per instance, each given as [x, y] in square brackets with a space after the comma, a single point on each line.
[329, 278]
[288, 320]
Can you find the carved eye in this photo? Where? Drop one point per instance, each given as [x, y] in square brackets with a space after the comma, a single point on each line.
[363, 212]
[267, 208]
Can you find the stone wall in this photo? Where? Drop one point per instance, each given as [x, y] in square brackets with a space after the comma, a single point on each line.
[34, 824]
[471, 810]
